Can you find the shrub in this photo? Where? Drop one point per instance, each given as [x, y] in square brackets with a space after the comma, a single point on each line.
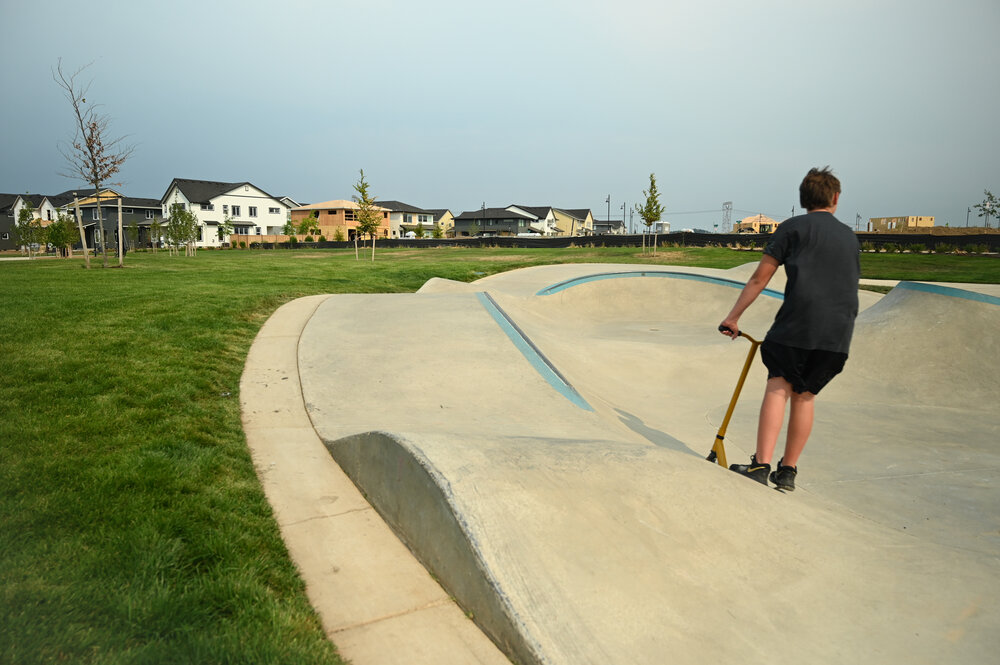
[918, 247]
[890, 247]
[976, 248]
[944, 248]
[868, 246]
[309, 239]
[243, 244]
[322, 238]
[338, 234]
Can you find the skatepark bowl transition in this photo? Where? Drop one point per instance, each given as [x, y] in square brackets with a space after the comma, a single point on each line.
[514, 470]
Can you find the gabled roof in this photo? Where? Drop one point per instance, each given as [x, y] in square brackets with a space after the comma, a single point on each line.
[399, 206]
[579, 213]
[541, 212]
[492, 213]
[203, 191]
[336, 204]
[439, 212]
[7, 202]
[60, 200]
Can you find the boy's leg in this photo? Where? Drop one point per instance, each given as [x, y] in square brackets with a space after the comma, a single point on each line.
[772, 416]
[800, 423]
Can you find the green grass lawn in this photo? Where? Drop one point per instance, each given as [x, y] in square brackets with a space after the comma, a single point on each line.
[132, 525]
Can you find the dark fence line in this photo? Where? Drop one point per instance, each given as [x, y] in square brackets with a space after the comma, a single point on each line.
[929, 241]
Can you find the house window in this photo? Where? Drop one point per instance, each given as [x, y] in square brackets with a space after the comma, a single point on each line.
[407, 218]
[208, 206]
[424, 219]
[349, 215]
[241, 230]
[125, 211]
[257, 230]
[252, 210]
[274, 211]
[93, 213]
[5, 236]
[149, 214]
[236, 211]
[225, 210]
[331, 212]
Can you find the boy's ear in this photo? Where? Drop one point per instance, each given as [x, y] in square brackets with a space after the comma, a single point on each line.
[836, 198]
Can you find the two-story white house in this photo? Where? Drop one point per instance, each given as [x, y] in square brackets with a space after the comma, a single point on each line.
[250, 210]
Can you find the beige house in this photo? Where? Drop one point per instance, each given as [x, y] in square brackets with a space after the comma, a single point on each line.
[332, 216]
[899, 224]
[573, 222]
[756, 224]
[444, 219]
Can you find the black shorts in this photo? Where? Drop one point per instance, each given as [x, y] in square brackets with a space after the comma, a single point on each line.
[808, 370]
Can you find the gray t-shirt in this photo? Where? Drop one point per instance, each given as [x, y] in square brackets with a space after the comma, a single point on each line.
[822, 263]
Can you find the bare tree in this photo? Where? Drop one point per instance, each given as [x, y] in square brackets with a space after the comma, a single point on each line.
[92, 155]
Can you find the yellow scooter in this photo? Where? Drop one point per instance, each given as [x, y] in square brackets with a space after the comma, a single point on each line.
[718, 453]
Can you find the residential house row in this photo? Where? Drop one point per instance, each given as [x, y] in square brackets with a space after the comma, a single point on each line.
[257, 216]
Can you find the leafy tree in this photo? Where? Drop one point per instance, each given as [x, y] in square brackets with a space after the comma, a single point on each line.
[182, 229]
[92, 155]
[420, 230]
[27, 231]
[368, 217]
[289, 230]
[437, 232]
[61, 233]
[132, 233]
[155, 231]
[309, 225]
[990, 207]
[338, 234]
[225, 228]
[651, 211]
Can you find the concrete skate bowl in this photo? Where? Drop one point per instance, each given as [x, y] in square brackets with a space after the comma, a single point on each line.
[543, 456]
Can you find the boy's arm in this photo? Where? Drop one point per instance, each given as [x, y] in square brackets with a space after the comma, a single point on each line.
[761, 276]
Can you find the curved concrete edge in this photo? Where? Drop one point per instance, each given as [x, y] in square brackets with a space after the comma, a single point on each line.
[375, 600]
[417, 501]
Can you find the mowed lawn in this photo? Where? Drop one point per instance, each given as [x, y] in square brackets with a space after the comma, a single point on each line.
[133, 528]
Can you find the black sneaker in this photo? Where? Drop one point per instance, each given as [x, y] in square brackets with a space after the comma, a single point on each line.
[753, 470]
[784, 476]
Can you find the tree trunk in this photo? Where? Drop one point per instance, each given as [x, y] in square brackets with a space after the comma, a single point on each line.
[83, 235]
[121, 236]
[373, 247]
[100, 224]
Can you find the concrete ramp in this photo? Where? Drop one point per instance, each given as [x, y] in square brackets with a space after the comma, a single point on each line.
[537, 439]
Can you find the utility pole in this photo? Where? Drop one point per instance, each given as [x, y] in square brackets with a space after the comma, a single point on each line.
[608, 201]
[857, 222]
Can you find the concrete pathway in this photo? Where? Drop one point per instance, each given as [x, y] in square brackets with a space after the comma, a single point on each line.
[537, 441]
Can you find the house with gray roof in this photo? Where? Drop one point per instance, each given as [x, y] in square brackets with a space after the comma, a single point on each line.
[251, 210]
[405, 218]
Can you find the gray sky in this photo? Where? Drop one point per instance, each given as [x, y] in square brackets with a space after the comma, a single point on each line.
[456, 103]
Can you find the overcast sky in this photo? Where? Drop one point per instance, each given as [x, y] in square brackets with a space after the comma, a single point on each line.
[456, 103]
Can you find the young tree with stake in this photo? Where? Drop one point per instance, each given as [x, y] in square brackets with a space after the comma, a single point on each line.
[368, 217]
[651, 211]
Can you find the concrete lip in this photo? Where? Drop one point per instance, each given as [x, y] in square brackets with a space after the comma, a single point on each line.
[592, 530]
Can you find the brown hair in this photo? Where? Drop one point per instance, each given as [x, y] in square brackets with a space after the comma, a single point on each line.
[817, 189]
